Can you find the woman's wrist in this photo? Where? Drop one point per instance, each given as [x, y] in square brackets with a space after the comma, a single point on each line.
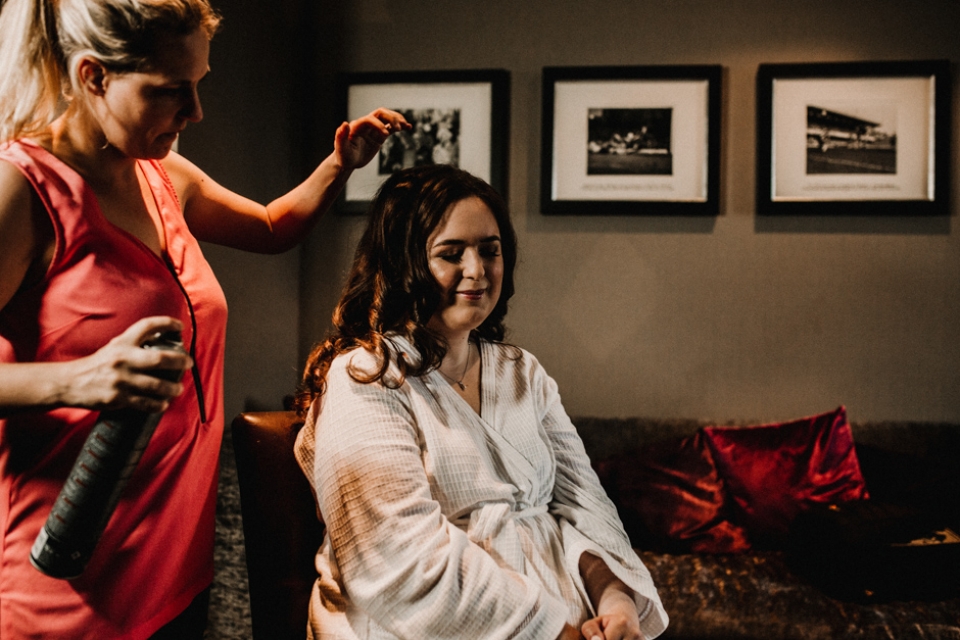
[32, 385]
[617, 597]
[600, 581]
[336, 167]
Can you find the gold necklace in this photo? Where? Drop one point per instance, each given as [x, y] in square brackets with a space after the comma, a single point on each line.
[463, 375]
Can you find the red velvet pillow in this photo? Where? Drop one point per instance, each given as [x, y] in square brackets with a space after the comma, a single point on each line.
[671, 499]
[774, 471]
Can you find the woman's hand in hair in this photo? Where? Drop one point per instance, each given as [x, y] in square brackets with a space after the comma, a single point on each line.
[358, 141]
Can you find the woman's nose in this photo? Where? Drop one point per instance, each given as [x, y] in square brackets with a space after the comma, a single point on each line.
[472, 265]
[192, 110]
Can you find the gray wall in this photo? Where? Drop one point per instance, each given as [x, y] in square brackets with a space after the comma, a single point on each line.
[733, 317]
[250, 141]
[729, 318]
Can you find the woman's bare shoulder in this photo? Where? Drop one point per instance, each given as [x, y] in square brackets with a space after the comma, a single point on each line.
[18, 231]
[14, 186]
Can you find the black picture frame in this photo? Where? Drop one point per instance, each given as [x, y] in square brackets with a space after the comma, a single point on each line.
[854, 138]
[667, 162]
[474, 105]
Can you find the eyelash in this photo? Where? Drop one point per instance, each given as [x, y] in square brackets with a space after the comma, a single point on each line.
[173, 92]
[454, 258]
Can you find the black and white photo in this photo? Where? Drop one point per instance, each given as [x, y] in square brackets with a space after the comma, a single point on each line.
[631, 140]
[459, 117]
[434, 139]
[853, 138]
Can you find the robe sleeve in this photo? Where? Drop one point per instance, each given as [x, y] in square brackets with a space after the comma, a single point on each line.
[400, 560]
[588, 520]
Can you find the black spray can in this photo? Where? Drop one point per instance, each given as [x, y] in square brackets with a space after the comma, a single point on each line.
[101, 471]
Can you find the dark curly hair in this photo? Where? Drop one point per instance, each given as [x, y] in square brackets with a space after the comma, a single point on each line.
[390, 288]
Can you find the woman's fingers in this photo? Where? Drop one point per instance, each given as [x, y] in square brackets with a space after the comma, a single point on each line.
[358, 141]
[612, 627]
[151, 394]
[166, 363]
[391, 120]
[591, 630]
[123, 374]
[141, 330]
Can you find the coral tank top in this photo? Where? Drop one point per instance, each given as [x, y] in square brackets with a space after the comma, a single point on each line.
[156, 553]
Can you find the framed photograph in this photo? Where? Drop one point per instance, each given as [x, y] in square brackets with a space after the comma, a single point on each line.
[631, 140]
[853, 138]
[459, 118]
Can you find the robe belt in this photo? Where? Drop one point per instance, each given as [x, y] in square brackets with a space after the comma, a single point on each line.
[493, 527]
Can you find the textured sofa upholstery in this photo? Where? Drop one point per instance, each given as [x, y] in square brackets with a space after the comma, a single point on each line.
[768, 594]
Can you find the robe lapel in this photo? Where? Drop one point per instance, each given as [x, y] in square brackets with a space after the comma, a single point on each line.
[514, 466]
[522, 472]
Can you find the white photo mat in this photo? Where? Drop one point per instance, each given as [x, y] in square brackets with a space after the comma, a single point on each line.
[473, 100]
[907, 106]
[689, 102]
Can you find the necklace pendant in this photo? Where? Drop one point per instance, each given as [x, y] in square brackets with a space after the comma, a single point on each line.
[462, 386]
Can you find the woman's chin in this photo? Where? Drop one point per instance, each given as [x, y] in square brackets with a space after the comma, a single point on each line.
[163, 146]
[452, 327]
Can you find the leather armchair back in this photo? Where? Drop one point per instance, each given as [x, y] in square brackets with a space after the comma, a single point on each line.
[281, 529]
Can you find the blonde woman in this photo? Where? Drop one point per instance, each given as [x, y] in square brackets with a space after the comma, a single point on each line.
[99, 230]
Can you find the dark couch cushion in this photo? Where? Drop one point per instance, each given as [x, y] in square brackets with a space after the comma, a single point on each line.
[670, 497]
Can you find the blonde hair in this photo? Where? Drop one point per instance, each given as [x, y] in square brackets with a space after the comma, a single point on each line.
[42, 42]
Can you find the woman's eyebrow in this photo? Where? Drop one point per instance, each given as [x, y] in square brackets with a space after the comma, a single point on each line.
[456, 242]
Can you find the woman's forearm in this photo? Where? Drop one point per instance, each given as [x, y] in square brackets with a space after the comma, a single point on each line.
[603, 587]
[119, 374]
[293, 214]
[613, 601]
[355, 144]
[31, 386]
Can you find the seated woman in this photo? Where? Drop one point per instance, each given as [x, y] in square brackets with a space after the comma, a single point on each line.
[458, 498]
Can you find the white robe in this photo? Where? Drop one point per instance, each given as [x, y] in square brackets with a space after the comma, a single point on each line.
[442, 523]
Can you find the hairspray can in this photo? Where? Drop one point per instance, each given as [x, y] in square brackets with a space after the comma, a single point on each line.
[101, 471]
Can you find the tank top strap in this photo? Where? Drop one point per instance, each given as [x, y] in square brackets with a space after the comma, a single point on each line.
[63, 192]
